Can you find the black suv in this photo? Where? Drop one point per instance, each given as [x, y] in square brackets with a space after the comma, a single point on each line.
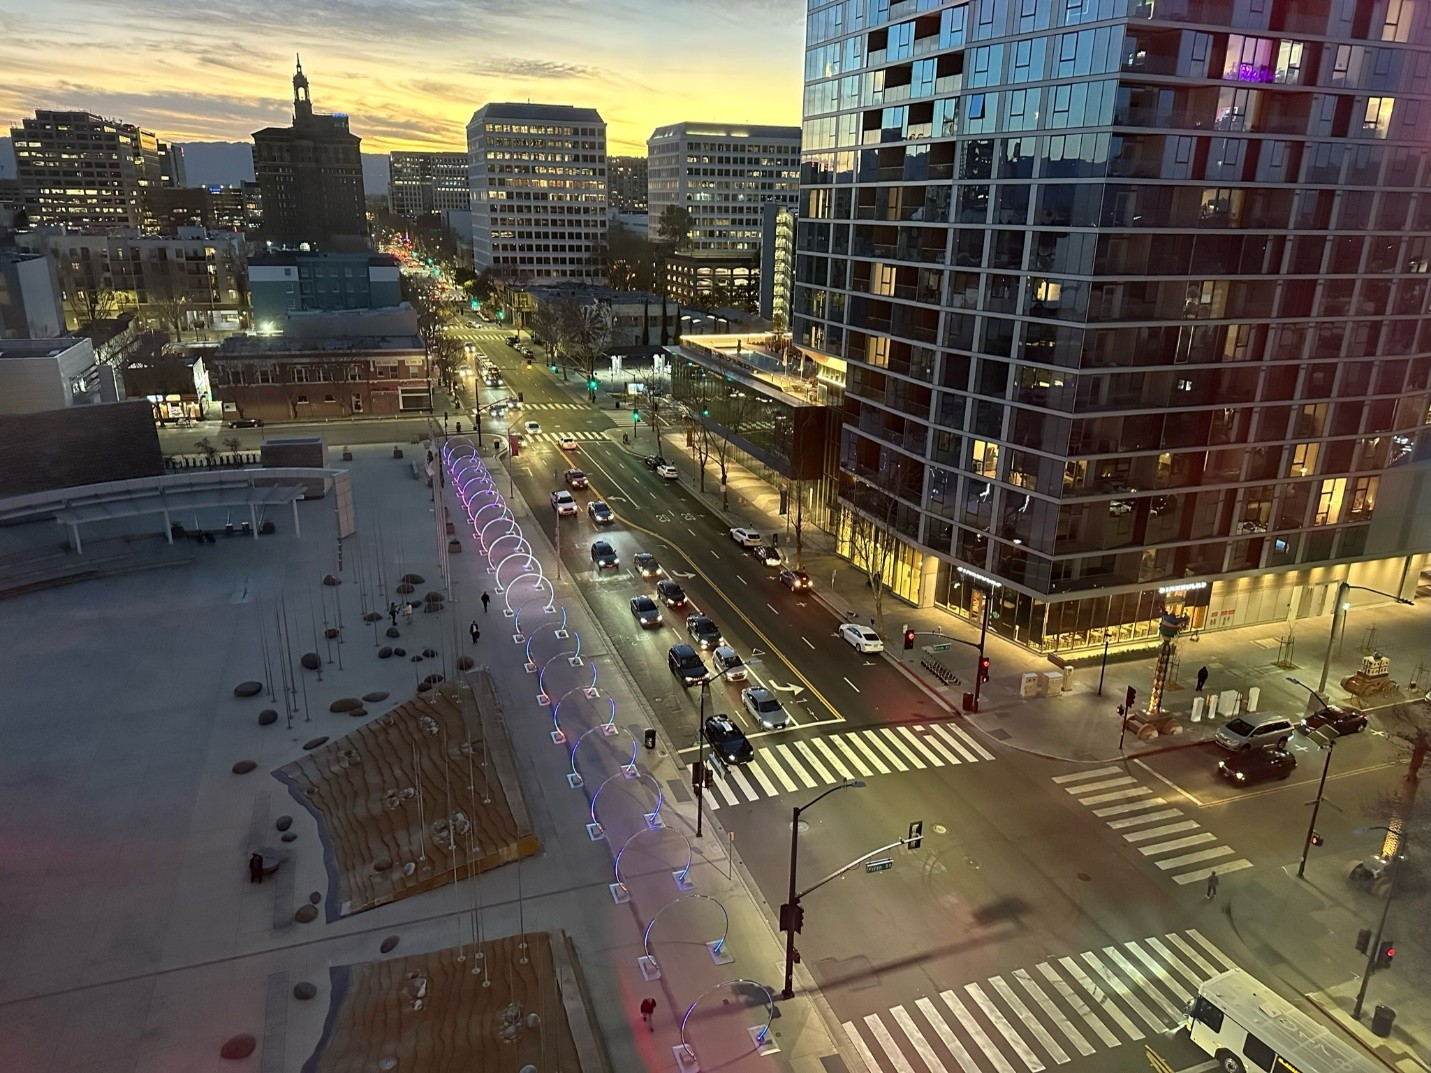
[647, 564]
[575, 478]
[728, 740]
[604, 555]
[704, 632]
[671, 594]
[652, 461]
[686, 664]
[1257, 765]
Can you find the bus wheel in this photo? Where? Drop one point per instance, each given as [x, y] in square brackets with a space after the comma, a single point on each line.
[1229, 1062]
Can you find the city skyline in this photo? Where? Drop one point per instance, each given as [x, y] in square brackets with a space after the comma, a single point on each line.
[206, 83]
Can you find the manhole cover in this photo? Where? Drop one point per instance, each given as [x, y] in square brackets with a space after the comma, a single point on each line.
[1085, 877]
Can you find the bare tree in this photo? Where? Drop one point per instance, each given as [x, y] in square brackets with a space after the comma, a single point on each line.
[1404, 811]
[168, 297]
[657, 406]
[732, 416]
[871, 532]
[87, 294]
[591, 338]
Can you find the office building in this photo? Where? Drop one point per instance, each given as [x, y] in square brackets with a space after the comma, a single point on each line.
[289, 281]
[30, 303]
[78, 170]
[777, 261]
[50, 374]
[723, 176]
[626, 184]
[1129, 310]
[311, 178]
[420, 184]
[538, 182]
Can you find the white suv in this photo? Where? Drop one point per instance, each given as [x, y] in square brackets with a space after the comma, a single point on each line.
[746, 538]
[563, 503]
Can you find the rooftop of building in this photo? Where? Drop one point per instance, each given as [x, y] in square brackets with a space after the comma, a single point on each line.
[691, 128]
[293, 257]
[104, 329]
[38, 348]
[594, 292]
[277, 346]
[557, 113]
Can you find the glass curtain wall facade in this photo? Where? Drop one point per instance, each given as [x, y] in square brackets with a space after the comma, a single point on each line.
[1131, 294]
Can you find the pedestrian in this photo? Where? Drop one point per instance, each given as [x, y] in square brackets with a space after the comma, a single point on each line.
[1211, 886]
[485, 601]
[648, 1010]
[392, 612]
[1201, 678]
[407, 612]
[475, 630]
[255, 868]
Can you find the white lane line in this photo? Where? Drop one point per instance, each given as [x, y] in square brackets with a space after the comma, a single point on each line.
[1131, 806]
[910, 740]
[740, 579]
[1221, 869]
[887, 1044]
[1197, 858]
[1105, 784]
[760, 777]
[832, 758]
[949, 741]
[1177, 843]
[688, 528]
[1052, 1012]
[994, 1014]
[772, 609]
[1227, 962]
[852, 685]
[1116, 795]
[1181, 994]
[1159, 832]
[1101, 999]
[916, 1037]
[945, 1033]
[808, 645]
[1152, 817]
[1168, 782]
[1050, 1045]
[976, 1032]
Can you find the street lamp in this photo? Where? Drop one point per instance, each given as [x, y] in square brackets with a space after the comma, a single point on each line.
[984, 626]
[1373, 949]
[1107, 636]
[1339, 614]
[790, 912]
[1329, 742]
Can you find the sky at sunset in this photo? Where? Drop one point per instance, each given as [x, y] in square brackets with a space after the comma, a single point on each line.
[409, 73]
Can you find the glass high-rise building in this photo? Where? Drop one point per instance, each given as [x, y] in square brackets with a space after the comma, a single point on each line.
[1126, 296]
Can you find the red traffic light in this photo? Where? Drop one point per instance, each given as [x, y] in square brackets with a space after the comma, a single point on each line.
[1384, 953]
[983, 669]
[908, 639]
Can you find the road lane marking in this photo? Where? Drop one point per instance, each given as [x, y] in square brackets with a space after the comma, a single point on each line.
[1106, 784]
[887, 1044]
[772, 609]
[830, 758]
[1131, 971]
[788, 758]
[1028, 1020]
[809, 646]
[1173, 960]
[976, 1031]
[1181, 995]
[1151, 817]
[1101, 999]
[857, 1042]
[738, 777]
[897, 743]
[853, 739]
[1122, 990]
[916, 1037]
[1116, 795]
[740, 579]
[779, 773]
[1208, 968]
[945, 1033]
[814, 761]
[873, 738]
[1079, 1006]
[1052, 1012]
[1159, 832]
[911, 740]
[963, 740]
[852, 685]
[1078, 776]
[1132, 806]
[994, 1014]
[1177, 843]
[765, 783]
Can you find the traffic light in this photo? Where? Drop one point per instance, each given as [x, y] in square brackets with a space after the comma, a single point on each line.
[1363, 940]
[1130, 699]
[1316, 839]
[552, 366]
[916, 834]
[635, 416]
[705, 411]
[908, 639]
[792, 916]
[983, 670]
[1384, 953]
[593, 384]
[697, 776]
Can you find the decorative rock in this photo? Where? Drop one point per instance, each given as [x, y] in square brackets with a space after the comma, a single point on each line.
[332, 579]
[283, 823]
[248, 689]
[358, 713]
[236, 1047]
[310, 661]
[465, 663]
[313, 743]
[243, 767]
[434, 597]
[393, 631]
[384, 652]
[331, 633]
[375, 696]
[389, 944]
[288, 836]
[373, 616]
[404, 588]
[303, 991]
[414, 659]
[345, 704]
[306, 914]
[399, 651]
[430, 653]
[423, 687]
[414, 579]
[267, 717]
[314, 897]
[433, 679]
[382, 864]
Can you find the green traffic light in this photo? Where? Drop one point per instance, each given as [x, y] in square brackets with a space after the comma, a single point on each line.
[705, 411]
[593, 383]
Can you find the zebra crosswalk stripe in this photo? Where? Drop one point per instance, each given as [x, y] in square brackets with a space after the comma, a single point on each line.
[1079, 776]
[916, 1037]
[887, 1044]
[1159, 832]
[1122, 990]
[1007, 1030]
[900, 747]
[857, 1041]
[1133, 821]
[976, 1031]
[1130, 806]
[860, 748]
[831, 758]
[1077, 1038]
[937, 746]
[1113, 954]
[778, 771]
[916, 742]
[875, 740]
[814, 761]
[738, 777]
[1101, 999]
[1179, 992]
[763, 779]
[960, 736]
[787, 757]
[945, 1033]
[1028, 1020]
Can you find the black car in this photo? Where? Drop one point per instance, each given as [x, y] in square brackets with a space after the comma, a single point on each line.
[652, 461]
[575, 478]
[247, 422]
[646, 564]
[604, 555]
[686, 664]
[728, 740]
[1335, 721]
[704, 632]
[600, 513]
[513, 340]
[1257, 765]
[645, 611]
[671, 594]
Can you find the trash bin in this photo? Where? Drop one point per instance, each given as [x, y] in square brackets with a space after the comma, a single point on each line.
[968, 702]
[650, 738]
[1381, 1020]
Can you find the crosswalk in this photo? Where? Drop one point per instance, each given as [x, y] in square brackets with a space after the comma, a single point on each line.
[1031, 1018]
[558, 406]
[583, 436]
[801, 764]
[1149, 822]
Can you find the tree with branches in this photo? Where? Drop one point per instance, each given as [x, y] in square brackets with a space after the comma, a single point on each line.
[733, 411]
[1404, 811]
[871, 534]
[657, 405]
[87, 295]
[590, 339]
[168, 297]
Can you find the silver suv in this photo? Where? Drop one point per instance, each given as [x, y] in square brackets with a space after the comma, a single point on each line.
[1250, 731]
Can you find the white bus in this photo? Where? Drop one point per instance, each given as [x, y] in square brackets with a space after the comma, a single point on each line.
[1246, 1027]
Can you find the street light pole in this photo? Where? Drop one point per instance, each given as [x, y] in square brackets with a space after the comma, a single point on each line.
[1339, 616]
[789, 910]
[1107, 636]
[983, 628]
[1330, 745]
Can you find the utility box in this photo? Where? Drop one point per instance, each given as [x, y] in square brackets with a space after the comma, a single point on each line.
[1029, 685]
[1199, 704]
[1067, 679]
[301, 451]
[1052, 683]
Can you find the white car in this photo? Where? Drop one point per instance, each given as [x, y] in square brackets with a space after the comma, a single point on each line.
[764, 708]
[667, 471]
[746, 538]
[861, 638]
[566, 441]
[532, 428]
[563, 503]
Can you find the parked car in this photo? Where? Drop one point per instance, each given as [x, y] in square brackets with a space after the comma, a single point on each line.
[1250, 731]
[600, 513]
[668, 472]
[652, 461]
[247, 422]
[746, 538]
[575, 478]
[671, 594]
[764, 553]
[1334, 721]
[566, 441]
[604, 555]
[704, 631]
[728, 740]
[795, 580]
[861, 638]
[686, 664]
[1257, 765]
[646, 564]
[645, 611]
[729, 665]
[764, 708]
[563, 503]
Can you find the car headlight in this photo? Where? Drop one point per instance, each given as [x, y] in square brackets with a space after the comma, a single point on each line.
[1239, 776]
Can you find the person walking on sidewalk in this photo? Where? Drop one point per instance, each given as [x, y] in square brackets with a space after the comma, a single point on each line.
[1211, 886]
[648, 1011]
[486, 599]
[475, 630]
[1201, 678]
[392, 612]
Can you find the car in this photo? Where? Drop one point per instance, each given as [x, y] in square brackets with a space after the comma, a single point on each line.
[1119, 507]
[1250, 731]
[563, 503]
[604, 555]
[686, 664]
[532, 428]
[575, 478]
[1257, 765]
[1334, 721]
[746, 538]
[861, 638]
[513, 340]
[646, 564]
[567, 442]
[670, 594]
[766, 554]
[667, 471]
[764, 708]
[704, 632]
[728, 665]
[795, 580]
[497, 409]
[645, 611]
[728, 741]
[600, 513]
[247, 422]
[652, 461]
